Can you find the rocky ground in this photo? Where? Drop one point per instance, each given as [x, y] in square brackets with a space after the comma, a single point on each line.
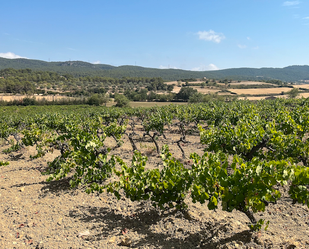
[38, 214]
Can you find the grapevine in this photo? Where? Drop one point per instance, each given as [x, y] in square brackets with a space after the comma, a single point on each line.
[267, 141]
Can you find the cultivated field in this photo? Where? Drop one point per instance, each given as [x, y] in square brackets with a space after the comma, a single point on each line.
[39, 214]
[301, 95]
[147, 104]
[37, 97]
[199, 89]
[250, 83]
[261, 91]
[251, 91]
[206, 90]
[259, 98]
[304, 95]
[176, 89]
[190, 82]
[306, 86]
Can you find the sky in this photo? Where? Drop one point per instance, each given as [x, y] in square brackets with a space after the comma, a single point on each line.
[196, 35]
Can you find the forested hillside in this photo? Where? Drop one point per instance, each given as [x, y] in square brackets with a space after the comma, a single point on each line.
[27, 81]
[80, 68]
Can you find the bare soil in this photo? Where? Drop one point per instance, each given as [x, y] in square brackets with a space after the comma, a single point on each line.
[38, 214]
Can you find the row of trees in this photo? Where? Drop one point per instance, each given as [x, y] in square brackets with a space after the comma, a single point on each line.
[186, 94]
[29, 81]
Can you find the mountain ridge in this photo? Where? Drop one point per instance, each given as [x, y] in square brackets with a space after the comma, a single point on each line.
[291, 73]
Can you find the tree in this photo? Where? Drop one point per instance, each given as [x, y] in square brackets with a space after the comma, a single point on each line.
[151, 96]
[196, 98]
[185, 93]
[293, 93]
[143, 94]
[170, 88]
[29, 101]
[121, 100]
[97, 99]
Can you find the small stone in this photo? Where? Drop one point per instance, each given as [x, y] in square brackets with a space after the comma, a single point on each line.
[126, 242]
[59, 222]
[238, 223]
[22, 189]
[112, 239]
[84, 233]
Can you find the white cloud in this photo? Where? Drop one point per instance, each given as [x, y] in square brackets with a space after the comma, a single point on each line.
[291, 3]
[210, 67]
[248, 38]
[306, 18]
[242, 46]
[96, 62]
[257, 47]
[10, 55]
[167, 67]
[210, 36]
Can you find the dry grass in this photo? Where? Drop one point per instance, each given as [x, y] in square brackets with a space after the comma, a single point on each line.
[37, 97]
[260, 98]
[251, 83]
[205, 90]
[198, 88]
[190, 82]
[304, 95]
[171, 83]
[301, 95]
[232, 83]
[261, 91]
[305, 86]
[176, 89]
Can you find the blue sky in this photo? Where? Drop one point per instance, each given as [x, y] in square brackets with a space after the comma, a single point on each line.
[192, 35]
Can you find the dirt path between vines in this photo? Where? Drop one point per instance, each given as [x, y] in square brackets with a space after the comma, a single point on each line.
[37, 214]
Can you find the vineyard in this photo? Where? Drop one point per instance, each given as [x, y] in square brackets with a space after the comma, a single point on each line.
[211, 175]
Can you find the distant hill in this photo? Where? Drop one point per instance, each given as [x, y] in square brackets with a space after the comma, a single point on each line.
[80, 68]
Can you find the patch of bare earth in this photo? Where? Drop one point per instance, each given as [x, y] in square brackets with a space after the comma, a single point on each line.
[38, 214]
